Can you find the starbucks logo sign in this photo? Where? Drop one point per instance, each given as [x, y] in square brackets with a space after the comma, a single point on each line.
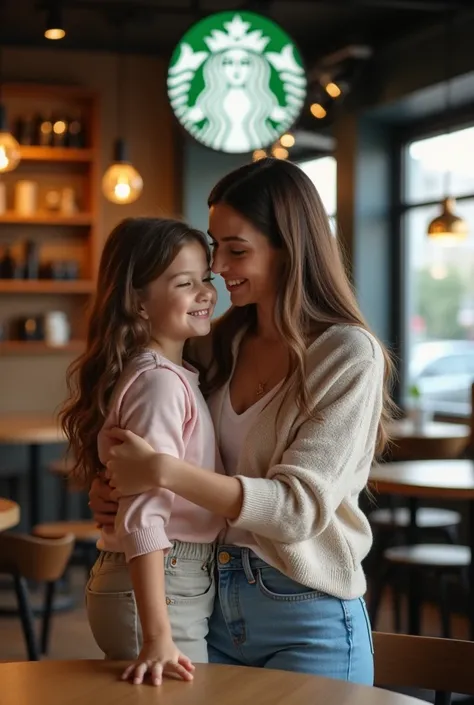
[236, 82]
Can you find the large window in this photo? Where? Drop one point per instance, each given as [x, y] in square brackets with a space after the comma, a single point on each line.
[439, 301]
[323, 174]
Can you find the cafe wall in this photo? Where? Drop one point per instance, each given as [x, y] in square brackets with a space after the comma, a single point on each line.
[36, 382]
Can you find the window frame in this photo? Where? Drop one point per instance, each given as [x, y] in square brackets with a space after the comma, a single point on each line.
[438, 125]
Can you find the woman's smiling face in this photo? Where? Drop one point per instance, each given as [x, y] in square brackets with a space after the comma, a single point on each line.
[244, 257]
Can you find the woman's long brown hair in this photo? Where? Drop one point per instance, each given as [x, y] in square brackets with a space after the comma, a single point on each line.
[136, 253]
[280, 200]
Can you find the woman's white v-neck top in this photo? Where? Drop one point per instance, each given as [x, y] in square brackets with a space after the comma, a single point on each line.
[232, 429]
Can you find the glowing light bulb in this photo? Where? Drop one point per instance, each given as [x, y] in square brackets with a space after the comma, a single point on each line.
[54, 33]
[287, 140]
[333, 89]
[122, 183]
[122, 191]
[280, 153]
[318, 111]
[259, 154]
[9, 152]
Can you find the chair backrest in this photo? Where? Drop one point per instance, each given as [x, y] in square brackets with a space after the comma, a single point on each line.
[34, 558]
[442, 665]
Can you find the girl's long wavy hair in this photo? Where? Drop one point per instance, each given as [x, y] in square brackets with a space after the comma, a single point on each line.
[136, 253]
[280, 200]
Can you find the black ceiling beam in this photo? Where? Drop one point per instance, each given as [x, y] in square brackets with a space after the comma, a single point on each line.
[415, 5]
[118, 7]
[195, 8]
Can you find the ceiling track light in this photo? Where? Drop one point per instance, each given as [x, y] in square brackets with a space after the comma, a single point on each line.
[54, 22]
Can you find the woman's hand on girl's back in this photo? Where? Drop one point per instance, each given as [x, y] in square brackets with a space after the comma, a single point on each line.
[159, 657]
[103, 506]
[131, 464]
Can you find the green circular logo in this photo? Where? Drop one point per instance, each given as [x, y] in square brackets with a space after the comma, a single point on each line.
[236, 82]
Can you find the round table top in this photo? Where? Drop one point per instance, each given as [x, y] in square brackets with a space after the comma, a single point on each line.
[9, 514]
[30, 428]
[97, 683]
[453, 479]
[404, 428]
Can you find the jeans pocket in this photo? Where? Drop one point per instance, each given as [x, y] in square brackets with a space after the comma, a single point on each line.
[186, 587]
[114, 622]
[277, 586]
[367, 621]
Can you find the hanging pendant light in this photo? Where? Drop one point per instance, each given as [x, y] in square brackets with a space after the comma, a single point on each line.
[10, 153]
[121, 183]
[448, 228]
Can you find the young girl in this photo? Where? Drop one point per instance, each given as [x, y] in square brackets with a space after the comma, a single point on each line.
[298, 390]
[156, 563]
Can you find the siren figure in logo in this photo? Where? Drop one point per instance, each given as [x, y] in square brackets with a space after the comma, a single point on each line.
[236, 111]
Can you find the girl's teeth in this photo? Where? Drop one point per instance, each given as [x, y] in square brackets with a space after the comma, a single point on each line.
[199, 313]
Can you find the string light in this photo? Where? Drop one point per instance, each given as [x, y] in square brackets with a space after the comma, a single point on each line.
[318, 111]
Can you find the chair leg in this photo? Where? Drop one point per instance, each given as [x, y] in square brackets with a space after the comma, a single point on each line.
[26, 615]
[14, 487]
[397, 592]
[442, 698]
[48, 608]
[376, 593]
[414, 601]
[63, 499]
[445, 613]
[452, 534]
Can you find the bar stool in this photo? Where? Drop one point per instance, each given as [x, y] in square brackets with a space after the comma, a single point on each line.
[440, 560]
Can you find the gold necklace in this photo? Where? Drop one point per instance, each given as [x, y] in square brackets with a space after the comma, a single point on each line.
[261, 389]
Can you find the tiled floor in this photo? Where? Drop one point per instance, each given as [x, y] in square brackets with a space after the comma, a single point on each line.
[71, 637]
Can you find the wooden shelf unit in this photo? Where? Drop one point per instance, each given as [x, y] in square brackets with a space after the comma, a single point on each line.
[46, 286]
[73, 237]
[46, 218]
[56, 154]
[33, 347]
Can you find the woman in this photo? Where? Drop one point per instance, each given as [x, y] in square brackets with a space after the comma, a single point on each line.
[297, 388]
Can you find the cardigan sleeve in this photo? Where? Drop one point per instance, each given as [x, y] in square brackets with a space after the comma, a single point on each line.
[326, 461]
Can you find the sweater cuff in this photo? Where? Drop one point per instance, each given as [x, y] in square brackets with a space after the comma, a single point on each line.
[144, 541]
[260, 498]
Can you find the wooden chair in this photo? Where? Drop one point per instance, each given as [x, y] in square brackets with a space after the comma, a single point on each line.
[43, 561]
[442, 665]
[85, 531]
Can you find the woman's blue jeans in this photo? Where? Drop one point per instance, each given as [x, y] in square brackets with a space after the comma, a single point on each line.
[263, 618]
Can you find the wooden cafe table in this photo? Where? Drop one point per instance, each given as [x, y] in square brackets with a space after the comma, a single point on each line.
[431, 479]
[434, 440]
[33, 431]
[97, 683]
[9, 514]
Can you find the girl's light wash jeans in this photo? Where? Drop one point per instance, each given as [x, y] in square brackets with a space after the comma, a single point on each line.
[190, 592]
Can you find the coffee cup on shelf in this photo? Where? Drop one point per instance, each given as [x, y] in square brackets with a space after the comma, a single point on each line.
[57, 330]
[26, 197]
